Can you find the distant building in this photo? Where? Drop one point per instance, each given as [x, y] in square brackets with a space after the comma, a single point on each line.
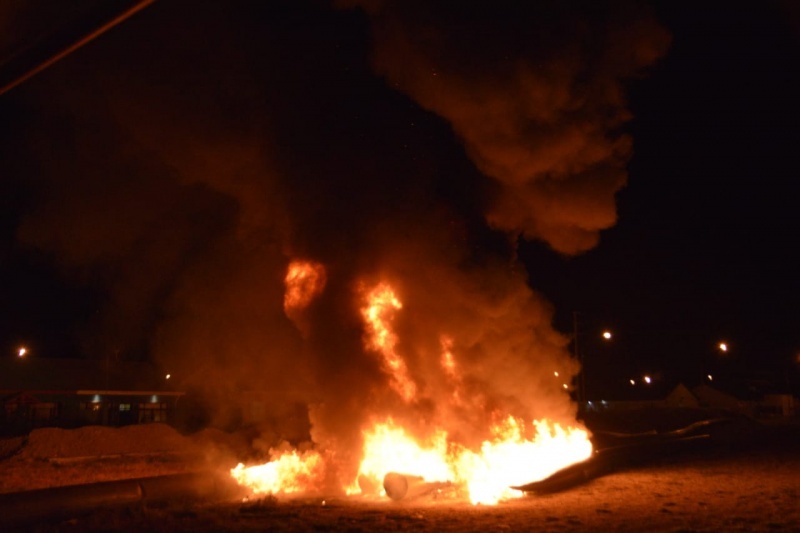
[681, 396]
[763, 401]
[36, 392]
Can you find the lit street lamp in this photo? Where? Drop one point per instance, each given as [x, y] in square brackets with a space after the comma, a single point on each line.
[606, 335]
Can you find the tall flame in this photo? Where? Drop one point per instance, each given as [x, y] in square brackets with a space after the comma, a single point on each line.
[378, 312]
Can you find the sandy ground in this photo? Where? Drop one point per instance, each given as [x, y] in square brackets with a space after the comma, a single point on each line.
[724, 485]
[53, 457]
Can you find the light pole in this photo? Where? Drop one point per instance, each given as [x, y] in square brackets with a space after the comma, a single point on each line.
[576, 352]
[606, 335]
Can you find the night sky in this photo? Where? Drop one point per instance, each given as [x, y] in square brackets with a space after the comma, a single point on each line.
[703, 251]
[132, 174]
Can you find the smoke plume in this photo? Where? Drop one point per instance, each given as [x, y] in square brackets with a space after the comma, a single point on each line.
[187, 158]
[536, 93]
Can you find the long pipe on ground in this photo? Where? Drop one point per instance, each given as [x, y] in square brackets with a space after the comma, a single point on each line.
[21, 509]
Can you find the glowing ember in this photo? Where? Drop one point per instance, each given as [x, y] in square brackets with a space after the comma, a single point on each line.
[304, 281]
[378, 311]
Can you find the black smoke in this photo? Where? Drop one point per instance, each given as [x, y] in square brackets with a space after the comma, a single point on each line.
[180, 162]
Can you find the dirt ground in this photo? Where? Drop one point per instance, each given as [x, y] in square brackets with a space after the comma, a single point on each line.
[741, 484]
[54, 457]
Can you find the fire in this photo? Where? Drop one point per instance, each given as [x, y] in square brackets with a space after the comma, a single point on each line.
[378, 312]
[513, 453]
[304, 281]
[288, 473]
[486, 475]
[509, 459]
[447, 360]
[505, 460]
[388, 448]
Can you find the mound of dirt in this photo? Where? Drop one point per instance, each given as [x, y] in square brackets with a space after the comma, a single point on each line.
[52, 457]
[99, 441]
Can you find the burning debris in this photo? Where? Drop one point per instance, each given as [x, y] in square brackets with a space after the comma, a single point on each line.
[400, 462]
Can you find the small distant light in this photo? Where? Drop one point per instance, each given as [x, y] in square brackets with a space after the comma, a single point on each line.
[607, 335]
[168, 376]
[96, 398]
[22, 351]
[633, 382]
[723, 347]
[555, 374]
[565, 386]
[153, 399]
[710, 377]
[647, 379]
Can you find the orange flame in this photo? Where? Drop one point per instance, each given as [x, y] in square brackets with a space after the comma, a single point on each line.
[304, 281]
[510, 459]
[378, 313]
[388, 448]
[448, 361]
[506, 460]
[290, 472]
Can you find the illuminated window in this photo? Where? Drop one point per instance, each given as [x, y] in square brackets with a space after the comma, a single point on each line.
[91, 406]
[124, 407]
[152, 412]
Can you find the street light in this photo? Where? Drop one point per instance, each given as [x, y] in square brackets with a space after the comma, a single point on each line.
[606, 335]
[22, 351]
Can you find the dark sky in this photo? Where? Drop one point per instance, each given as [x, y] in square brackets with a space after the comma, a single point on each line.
[134, 172]
[704, 248]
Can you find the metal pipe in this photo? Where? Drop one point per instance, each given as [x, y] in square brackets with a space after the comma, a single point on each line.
[407, 486]
[28, 508]
[28, 64]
